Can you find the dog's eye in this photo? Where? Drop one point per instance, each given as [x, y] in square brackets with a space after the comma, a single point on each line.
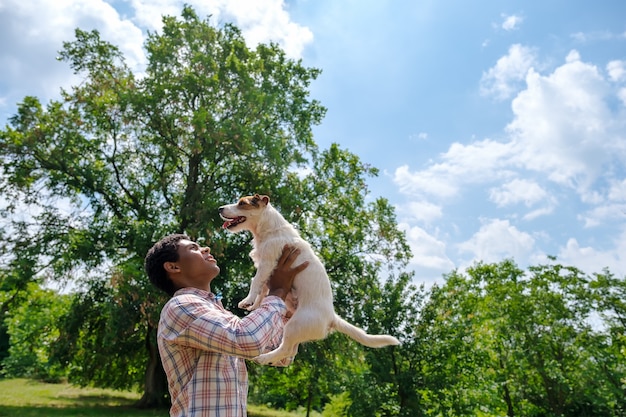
[241, 203]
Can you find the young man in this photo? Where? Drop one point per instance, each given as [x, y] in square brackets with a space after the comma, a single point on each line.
[203, 347]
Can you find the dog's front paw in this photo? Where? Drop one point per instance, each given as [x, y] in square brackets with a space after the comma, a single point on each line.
[246, 303]
[257, 303]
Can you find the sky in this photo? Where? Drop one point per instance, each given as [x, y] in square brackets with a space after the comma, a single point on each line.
[498, 127]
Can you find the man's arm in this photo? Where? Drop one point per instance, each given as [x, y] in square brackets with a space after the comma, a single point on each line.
[189, 320]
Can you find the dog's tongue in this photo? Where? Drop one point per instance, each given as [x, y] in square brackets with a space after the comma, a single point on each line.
[231, 222]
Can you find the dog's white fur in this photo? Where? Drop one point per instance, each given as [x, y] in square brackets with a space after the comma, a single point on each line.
[314, 316]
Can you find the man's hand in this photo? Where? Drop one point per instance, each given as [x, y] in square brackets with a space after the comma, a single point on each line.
[283, 275]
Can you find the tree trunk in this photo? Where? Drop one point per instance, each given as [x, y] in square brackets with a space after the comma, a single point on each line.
[155, 388]
[510, 411]
[509, 403]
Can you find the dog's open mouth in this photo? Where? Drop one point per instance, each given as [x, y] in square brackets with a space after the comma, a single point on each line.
[228, 223]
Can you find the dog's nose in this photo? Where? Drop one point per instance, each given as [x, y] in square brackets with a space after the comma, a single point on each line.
[220, 209]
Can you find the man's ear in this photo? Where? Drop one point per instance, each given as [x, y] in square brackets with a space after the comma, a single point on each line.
[171, 267]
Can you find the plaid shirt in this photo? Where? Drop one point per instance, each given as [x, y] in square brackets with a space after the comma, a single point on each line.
[203, 347]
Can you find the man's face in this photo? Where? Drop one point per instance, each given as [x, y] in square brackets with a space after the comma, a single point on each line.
[195, 266]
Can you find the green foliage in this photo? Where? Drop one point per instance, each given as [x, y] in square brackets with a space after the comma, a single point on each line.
[96, 323]
[337, 406]
[322, 368]
[502, 341]
[388, 386]
[33, 328]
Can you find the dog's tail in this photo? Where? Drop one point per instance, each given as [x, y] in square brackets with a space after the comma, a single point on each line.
[369, 340]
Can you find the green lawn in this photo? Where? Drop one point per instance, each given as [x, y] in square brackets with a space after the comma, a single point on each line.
[29, 398]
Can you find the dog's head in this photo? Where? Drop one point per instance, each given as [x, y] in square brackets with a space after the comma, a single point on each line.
[244, 214]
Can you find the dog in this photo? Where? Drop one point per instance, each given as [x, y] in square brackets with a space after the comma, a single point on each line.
[314, 317]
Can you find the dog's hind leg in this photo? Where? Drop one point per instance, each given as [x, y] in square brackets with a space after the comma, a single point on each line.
[288, 349]
[300, 328]
[277, 355]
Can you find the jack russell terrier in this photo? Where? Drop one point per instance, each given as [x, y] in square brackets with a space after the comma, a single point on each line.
[315, 315]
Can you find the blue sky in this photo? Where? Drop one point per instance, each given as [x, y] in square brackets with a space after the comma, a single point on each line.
[499, 127]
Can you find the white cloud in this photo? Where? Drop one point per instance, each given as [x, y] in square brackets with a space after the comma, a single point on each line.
[564, 131]
[607, 213]
[420, 211]
[498, 239]
[32, 33]
[518, 191]
[480, 161]
[616, 70]
[506, 77]
[523, 191]
[617, 191]
[148, 14]
[591, 260]
[621, 94]
[511, 22]
[419, 136]
[594, 36]
[259, 21]
[269, 21]
[429, 253]
[563, 126]
[422, 183]
[543, 211]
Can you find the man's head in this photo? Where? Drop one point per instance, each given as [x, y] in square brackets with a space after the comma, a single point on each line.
[165, 250]
[176, 262]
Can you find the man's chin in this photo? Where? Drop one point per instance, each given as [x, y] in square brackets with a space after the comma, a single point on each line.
[215, 271]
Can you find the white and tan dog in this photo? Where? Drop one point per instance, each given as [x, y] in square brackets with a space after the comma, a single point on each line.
[315, 315]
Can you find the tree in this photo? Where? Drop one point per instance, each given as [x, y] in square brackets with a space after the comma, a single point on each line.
[390, 385]
[32, 327]
[122, 160]
[505, 341]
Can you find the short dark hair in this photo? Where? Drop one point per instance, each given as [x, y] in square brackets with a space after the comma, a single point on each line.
[165, 250]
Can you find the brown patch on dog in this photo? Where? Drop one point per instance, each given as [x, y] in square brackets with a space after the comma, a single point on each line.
[253, 201]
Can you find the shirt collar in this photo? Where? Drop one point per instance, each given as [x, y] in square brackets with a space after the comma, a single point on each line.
[196, 291]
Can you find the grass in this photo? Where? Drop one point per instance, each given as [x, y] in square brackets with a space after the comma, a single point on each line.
[29, 398]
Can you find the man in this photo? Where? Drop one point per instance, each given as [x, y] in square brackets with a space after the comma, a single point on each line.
[202, 345]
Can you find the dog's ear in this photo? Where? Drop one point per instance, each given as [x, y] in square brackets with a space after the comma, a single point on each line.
[262, 198]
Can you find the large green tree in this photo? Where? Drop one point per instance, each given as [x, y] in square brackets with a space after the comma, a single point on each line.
[544, 342]
[123, 159]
